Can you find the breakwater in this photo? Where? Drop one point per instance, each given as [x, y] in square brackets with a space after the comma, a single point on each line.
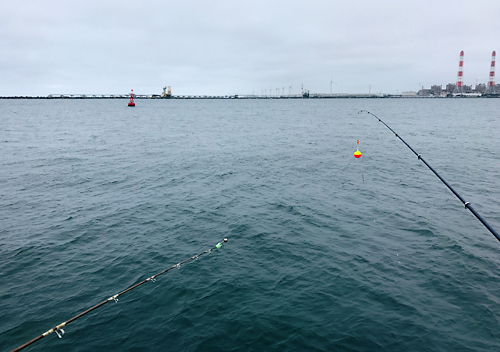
[237, 96]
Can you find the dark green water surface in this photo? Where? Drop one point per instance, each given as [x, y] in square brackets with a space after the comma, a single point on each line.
[326, 252]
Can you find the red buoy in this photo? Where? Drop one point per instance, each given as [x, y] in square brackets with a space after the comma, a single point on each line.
[132, 95]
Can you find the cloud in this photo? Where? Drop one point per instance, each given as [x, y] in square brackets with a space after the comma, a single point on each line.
[229, 47]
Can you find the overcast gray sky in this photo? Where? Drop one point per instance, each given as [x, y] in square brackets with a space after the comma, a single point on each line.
[240, 47]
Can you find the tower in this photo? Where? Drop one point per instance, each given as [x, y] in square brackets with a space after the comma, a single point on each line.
[459, 87]
[491, 81]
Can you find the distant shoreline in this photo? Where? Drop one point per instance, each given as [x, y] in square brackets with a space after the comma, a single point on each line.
[294, 96]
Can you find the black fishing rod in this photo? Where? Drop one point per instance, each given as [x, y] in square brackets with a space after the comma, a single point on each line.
[466, 204]
[59, 328]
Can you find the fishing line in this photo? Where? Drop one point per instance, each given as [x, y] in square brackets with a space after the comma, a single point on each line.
[59, 328]
[466, 204]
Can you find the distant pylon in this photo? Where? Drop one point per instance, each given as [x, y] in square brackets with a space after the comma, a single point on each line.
[491, 81]
[459, 86]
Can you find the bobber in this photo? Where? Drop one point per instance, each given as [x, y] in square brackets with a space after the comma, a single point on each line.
[357, 153]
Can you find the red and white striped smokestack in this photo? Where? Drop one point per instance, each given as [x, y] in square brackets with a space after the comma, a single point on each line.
[491, 81]
[460, 72]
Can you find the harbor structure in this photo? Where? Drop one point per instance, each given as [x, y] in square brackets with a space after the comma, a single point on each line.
[166, 94]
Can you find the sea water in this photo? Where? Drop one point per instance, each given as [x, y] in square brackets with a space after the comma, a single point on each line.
[325, 251]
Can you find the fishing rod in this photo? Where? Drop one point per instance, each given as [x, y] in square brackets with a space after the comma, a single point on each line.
[59, 328]
[466, 204]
